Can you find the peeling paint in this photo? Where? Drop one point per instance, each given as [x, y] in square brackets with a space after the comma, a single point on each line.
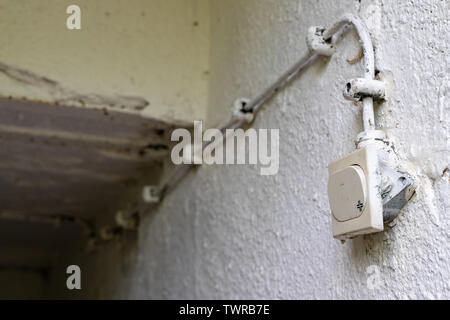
[63, 95]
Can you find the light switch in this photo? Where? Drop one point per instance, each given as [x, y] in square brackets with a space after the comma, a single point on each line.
[364, 189]
[354, 193]
[347, 192]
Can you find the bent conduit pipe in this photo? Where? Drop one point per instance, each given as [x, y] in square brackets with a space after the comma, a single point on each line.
[369, 60]
[331, 35]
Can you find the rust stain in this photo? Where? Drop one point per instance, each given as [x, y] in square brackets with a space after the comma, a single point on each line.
[358, 57]
[69, 96]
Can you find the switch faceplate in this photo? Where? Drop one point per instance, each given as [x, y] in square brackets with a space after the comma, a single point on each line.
[347, 192]
[354, 193]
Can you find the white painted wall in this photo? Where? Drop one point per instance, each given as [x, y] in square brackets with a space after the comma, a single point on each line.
[227, 232]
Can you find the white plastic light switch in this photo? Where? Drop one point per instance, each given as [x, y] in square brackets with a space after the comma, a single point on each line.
[347, 193]
[353, 192]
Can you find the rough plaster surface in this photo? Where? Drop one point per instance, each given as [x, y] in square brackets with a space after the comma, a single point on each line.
[227, 232]
[143, 57]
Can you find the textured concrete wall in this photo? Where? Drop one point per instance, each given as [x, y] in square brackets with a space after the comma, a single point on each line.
[227, 232]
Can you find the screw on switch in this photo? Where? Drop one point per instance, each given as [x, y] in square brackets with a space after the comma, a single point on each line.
[359, 205]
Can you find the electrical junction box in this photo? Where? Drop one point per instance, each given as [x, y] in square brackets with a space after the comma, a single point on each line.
[364, 191]
[356, 204]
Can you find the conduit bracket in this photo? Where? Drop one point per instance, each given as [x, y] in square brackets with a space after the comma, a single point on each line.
[359, 88]
[239, 111]
[106, 234]
[128, 223]
[317, 43]
[150, 194]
